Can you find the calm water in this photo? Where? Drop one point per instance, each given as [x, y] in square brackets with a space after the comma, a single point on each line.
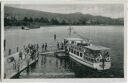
[108, 36]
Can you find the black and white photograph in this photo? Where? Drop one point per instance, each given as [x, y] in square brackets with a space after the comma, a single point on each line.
[63, 41]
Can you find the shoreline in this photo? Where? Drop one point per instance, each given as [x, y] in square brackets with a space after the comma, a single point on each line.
[8, 27]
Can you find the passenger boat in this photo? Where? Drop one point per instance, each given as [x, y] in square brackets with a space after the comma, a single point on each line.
[96, 57]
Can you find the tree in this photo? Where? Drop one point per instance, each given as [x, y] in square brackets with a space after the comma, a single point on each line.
[25, 19]
[44, 20]
[63, 22]
[54, 21]
[41, 19]
[30, 19]
[37, 20]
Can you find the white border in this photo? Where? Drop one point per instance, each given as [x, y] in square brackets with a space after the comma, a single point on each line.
[91, 80]
[2, 39]
[66, 1]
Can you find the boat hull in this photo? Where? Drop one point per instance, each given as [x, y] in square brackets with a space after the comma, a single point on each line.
[74, 57]
[97, 66]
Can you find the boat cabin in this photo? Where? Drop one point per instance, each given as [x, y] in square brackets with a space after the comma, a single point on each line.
[75, 41]
[97, 51]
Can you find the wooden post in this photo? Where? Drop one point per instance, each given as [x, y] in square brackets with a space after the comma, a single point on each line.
[17, 49]
[4, 45]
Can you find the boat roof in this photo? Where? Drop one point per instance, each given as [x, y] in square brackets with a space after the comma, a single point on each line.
[74, 39]
[94, 47]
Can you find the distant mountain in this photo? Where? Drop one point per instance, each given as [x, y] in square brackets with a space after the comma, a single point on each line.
[72, 18]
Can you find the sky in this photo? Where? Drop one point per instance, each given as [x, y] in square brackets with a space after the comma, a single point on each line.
[109, 10]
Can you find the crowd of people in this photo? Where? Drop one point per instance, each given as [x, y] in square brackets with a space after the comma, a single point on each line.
[44, 47]
[60, 45]
[31, 50]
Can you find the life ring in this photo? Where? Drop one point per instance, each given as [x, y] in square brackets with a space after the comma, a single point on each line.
[108, 59]
[97, 60]
[10, 59]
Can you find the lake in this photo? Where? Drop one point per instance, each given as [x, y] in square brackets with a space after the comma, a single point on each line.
[108, 36]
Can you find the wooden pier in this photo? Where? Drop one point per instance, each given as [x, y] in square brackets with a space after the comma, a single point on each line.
[15, 64]
[14, 67]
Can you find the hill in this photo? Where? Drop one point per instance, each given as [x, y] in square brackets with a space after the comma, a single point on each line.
[17, 16]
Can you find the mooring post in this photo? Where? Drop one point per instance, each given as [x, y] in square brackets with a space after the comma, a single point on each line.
[4, 44]
[17, 49]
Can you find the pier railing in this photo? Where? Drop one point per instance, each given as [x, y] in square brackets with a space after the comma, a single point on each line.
[14, 64]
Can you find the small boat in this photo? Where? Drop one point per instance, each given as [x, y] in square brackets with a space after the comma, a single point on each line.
[25, 28]
[96, 57]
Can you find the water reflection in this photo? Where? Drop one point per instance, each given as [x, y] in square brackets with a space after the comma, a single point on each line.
[50, 66]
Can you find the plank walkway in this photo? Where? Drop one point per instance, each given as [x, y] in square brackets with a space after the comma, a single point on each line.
[51, 52]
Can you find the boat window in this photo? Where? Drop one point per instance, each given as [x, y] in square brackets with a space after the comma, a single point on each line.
[74, 52]
[88, 59]
[71, 50]
[80, 54]
[91, 60]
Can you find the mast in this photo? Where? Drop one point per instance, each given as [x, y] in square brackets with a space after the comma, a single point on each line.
[70, 30]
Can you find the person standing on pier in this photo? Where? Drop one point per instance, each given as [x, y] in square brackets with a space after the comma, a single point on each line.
[42, 47]
[45, 46]
[37, 47]
[20, 55]
[54, 36]
[58, 45]
[62, 45]
[9, 53]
